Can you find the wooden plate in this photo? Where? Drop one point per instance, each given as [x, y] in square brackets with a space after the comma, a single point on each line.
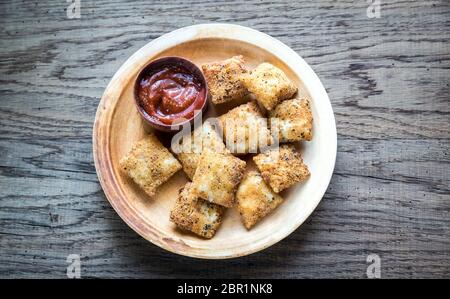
[118, 125]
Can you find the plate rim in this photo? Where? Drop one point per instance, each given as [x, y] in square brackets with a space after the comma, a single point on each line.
[173, 38]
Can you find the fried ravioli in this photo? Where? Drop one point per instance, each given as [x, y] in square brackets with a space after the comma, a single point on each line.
[149, 164]
[255, 199]
[204, 137]
[269, 84]
[196, 215]
[281, 168]
[217, 178]
[293, 120]
[245, 129]
[223, 79]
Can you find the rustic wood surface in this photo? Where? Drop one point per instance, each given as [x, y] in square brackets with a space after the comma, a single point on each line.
[388, 81]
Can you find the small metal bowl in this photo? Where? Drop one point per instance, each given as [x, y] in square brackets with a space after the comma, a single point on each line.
[156, 65]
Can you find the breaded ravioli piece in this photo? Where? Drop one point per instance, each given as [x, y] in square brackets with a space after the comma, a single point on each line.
[149, 164]
[245, 129]
[196, 215]
[282, 167]
[293, 120]
[217, 178]
[204, 137]
[269, 84]
[223, 79]
[255, 199]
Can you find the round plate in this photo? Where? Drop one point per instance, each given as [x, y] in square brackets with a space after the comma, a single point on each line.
[118, 125]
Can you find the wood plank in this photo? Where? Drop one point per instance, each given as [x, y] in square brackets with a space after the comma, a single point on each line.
[387, 79]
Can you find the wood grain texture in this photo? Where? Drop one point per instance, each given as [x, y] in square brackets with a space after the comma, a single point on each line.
[388, 82]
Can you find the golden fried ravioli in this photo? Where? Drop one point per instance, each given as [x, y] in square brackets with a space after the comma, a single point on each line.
[223, 79]
[292, 119]
[269, 84]
[195, 214]
[217, 178]
[255, 199]
[204, 137]
[245, 129]
[281, 167]
[149, 164]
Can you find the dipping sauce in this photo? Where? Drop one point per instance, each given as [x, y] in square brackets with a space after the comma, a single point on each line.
[171, 93]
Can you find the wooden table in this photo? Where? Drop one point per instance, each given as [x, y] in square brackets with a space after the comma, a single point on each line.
[388, 81]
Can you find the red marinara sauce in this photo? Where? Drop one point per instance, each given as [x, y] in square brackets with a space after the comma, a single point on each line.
[171, 93]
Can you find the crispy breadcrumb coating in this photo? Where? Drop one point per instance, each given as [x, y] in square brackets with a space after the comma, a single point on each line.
[293, 120]
[255, 199]
[245, 129]
[269, 84]
[149, 164]
[223, 79]
[196, 215]
[204, 137]
[217, 178]
[281, 168]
